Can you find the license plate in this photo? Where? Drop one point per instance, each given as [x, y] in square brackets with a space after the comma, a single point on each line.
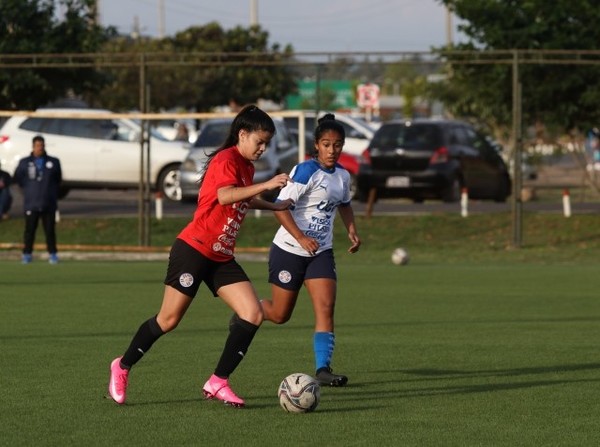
[397, 182]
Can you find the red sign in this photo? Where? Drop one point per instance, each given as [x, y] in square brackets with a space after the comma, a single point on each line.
[368, 95]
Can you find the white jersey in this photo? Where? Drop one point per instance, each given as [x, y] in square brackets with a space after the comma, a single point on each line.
[316, 192]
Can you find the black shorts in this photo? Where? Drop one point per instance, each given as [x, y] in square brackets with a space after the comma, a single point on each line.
[188, 268]
[288, 270]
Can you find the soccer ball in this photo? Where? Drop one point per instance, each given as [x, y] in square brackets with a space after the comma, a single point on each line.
[400, 256]
[299, 393]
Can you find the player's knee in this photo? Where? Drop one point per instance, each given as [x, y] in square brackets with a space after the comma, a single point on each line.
[280, 318]
[167, 324]
[254, 316]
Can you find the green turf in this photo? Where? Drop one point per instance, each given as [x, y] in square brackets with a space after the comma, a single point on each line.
[438, 353]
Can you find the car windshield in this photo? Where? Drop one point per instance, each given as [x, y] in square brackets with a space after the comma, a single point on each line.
[213, 134]
[407, 136]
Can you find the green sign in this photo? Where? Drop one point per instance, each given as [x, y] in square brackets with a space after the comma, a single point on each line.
[333, 95]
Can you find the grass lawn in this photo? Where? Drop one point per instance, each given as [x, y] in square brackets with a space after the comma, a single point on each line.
[449, 350]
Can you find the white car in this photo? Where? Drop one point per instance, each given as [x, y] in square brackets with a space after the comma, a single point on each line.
[358, 132]
[94, 153]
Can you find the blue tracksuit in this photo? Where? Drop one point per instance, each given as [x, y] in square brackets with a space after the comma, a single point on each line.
[39, 179]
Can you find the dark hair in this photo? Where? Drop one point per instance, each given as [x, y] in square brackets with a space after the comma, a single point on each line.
[38, 138]
[328, 122]
[250, 119]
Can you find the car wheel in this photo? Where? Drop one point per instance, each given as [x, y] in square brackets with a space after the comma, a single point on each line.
[451, 193]
[168, 183]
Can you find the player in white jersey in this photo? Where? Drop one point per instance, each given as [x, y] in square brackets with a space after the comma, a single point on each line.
[302, 250]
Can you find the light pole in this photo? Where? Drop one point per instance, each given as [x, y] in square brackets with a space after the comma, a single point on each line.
[253, 12]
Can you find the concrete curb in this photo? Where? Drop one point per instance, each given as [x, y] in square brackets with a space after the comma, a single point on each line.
[114, 256]
[12, 251]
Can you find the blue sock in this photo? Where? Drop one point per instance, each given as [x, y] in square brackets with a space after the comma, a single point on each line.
[323, 344]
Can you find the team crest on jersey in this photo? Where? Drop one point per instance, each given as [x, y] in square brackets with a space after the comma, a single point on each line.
[285, 276]
[216, 246]
[49, 164]
[186, 279]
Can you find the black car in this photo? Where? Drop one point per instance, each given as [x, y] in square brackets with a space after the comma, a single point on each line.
[432, 159]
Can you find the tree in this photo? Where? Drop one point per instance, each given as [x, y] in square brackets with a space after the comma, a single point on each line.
[223, 65]
[34, 27]
[561, 96]
[407, 79]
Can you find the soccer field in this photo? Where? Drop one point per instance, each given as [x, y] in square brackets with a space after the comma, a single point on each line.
[437, 354]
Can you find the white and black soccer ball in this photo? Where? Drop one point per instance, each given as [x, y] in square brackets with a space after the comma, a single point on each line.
[400, 256]
[299, 393]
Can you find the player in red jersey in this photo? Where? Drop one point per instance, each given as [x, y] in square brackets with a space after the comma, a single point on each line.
[204, 251]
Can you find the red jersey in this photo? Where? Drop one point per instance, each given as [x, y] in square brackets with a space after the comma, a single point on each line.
[214, 228]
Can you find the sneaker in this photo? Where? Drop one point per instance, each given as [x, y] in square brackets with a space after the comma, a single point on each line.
[217, 388]
[27, 258]
[53, 258]
[117, 386]
[326, 377]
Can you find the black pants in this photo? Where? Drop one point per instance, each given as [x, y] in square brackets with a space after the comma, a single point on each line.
[49, 223]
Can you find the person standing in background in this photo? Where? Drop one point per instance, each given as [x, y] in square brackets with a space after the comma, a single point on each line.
[39, 176]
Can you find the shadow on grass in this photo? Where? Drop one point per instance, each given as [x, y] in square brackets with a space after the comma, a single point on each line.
[357, 389]
[449, 373]
[458, 389]
[395, 324]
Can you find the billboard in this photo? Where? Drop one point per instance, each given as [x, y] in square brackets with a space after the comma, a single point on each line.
[334, 95]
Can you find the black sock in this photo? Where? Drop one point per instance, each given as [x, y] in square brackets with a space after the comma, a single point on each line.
[142, 341]
[241, 333]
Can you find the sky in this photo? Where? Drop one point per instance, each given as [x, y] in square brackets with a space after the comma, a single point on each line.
[308, 25]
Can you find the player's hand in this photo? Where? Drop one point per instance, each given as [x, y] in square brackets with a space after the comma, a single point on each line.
[355, 240]
[279, 181]
[309, 244]
[282, 205]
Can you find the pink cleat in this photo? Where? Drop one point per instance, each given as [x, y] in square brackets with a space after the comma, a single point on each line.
[217, 388]
[117, 387]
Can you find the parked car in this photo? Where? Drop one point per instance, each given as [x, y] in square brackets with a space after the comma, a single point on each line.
[358, 132]
[424, 158]
[281, 155]
[94, 153]
[176, 130]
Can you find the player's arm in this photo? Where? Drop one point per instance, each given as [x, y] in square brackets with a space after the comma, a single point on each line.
[286, 219]
[260, 204]
[347, 215]
[229, 194]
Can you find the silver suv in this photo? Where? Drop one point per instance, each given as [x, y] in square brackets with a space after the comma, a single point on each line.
[281, 155]
[94, 153]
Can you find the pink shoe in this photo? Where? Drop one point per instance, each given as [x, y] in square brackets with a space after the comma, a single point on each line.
[117, 387]
[217, 388]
